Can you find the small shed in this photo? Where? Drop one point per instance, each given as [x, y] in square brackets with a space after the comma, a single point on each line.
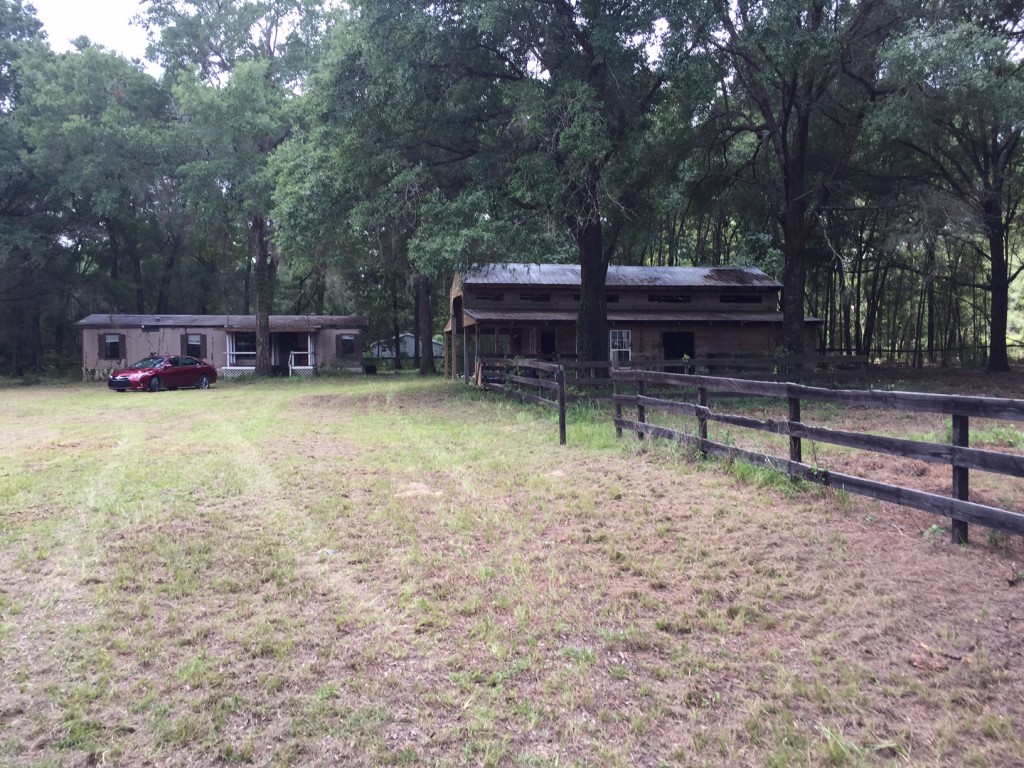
[300, 344]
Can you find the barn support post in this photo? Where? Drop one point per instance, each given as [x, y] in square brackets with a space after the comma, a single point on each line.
[961, 484]
[465, 353]
[641, 411]
[795, 449]
[560, 380]
[476, 348]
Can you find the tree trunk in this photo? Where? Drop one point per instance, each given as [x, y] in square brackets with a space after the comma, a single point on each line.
[163, 296]
[426, 332]
[592, 323]
[793, 297]
[264, 274]
[998, 360]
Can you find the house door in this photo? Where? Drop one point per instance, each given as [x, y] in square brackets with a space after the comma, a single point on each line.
[677, 345]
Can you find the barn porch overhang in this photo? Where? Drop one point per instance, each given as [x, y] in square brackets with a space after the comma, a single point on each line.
[514, 317]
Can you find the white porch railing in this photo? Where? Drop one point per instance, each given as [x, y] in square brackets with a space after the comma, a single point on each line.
[301, 363]
[238, 364]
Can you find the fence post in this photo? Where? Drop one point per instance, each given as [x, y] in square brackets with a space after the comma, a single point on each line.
[702, 422]
[795, 449]
[961, 485]
[641, 411]
[560, 380]
[618, 405]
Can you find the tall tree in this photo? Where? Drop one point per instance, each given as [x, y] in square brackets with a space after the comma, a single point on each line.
[238, 66]
[547, 106]
[800, 76]
[959, 110]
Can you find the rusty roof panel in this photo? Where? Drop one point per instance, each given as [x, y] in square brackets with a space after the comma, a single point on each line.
[620, 277]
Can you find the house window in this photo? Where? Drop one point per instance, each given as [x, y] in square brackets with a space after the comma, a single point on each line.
[739, 298]
[111, 346]
[245, 342]
[669, 298]
[621, 343]
[242, 349]
[346, 345]
[193, 345]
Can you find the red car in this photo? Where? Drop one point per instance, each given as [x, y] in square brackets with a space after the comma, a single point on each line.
[163, 372]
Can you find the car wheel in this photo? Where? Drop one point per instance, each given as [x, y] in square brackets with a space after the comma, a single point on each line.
[204, 382]
[154, 384]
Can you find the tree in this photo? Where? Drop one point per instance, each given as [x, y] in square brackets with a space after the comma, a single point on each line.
[959, 108]
[544, 110]
[238, 66]
[799, 77]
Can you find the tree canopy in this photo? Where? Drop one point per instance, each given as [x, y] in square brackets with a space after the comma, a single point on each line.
[300, 156]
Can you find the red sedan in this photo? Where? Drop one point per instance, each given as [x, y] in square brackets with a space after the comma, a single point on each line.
[163, 372]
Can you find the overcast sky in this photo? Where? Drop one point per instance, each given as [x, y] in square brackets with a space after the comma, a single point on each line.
[107, 22]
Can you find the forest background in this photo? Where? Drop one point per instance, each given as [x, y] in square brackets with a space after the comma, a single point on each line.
[305, 156]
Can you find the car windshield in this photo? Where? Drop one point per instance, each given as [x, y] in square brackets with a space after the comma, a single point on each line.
[149, 362]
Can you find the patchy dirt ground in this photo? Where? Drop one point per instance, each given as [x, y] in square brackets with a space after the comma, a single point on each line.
[400, 572]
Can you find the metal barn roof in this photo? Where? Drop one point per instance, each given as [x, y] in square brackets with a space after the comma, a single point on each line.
[621, 277]
[654, 317]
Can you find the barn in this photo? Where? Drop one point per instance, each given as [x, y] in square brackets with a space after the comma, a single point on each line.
[654, 313]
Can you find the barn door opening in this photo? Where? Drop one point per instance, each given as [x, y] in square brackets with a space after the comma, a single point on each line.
[677, 345]
[547, 344]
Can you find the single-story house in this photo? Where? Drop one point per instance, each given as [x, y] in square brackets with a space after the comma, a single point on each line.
[654, 313]
[300, 344]
[384, 348]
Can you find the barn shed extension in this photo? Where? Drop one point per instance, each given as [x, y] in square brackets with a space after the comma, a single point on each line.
[300, 344]
[654, 313]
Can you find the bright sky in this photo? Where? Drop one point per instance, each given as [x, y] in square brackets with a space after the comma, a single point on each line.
[106, 22]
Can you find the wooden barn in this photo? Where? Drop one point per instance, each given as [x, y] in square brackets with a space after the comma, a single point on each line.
[300, 344]
[654, 313]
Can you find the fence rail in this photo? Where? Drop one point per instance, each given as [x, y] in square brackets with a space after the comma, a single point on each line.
[519, 379]
[957, 454]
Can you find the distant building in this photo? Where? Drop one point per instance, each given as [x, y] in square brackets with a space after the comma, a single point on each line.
[300, 344]
[384, 348]
[654, 313]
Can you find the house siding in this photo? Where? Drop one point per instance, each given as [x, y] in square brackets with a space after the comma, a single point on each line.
[143, 339]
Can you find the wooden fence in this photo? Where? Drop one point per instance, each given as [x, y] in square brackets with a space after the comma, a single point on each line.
[527, 380]
[958, 454]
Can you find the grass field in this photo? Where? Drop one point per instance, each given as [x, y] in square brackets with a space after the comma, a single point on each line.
[401, 572]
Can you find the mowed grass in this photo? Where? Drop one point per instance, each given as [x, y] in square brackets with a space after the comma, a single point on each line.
[391, 571]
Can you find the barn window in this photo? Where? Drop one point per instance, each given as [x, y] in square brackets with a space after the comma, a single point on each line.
[490, 296]
[739, 298]
[535, 297]
[111, 346]
[669, 298]
[621, 343]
